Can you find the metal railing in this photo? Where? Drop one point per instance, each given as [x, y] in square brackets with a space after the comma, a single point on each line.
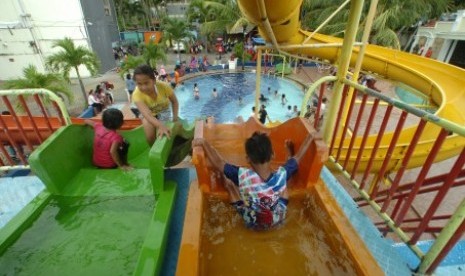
[29, 117]
[399, 173]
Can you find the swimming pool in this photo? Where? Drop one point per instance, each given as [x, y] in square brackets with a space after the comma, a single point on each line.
[230, 86]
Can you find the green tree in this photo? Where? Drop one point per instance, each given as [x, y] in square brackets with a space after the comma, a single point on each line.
[34, 79]
[152, 53]
[240, 52]
[456, 5]
[199, 11]
[71, 57]
[159, 13]
[131, 63]
[391, 17]
[225, 16]
[176, 30]
[130, 14]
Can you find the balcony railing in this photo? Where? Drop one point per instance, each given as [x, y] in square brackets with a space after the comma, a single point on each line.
[31, 115]
[413, 179]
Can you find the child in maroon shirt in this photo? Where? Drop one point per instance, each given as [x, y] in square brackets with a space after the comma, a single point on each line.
[110, 149]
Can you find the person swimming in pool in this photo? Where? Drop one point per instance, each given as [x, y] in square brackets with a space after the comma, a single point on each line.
[196, 92]
[263, 99]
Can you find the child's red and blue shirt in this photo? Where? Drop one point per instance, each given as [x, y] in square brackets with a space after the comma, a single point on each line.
[262, 206]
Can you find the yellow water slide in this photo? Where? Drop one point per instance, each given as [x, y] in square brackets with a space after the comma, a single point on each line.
[444, 84]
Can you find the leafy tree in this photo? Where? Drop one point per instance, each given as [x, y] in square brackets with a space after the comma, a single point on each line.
[176, 30]
[156, 4]
[456, 5]
[199, 11]
[225, 16]
[71, 57]
[130, 13]
[240, 53]
[131, 63]
[152, 53]
[392, 16]
[32, 78]
[133, 14]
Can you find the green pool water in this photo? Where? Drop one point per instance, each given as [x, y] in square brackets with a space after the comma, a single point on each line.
[82, 236]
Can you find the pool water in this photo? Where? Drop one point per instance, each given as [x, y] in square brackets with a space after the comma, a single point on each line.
[226, 107]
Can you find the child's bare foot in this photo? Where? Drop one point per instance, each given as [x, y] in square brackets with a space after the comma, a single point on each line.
[126, 168]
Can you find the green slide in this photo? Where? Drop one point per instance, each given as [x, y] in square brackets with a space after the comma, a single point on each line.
[279, 69]
[91, 221]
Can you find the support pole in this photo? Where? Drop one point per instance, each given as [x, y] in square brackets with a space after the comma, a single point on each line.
[446, 234]
[284, 66]
[344, 61]
[361, 53]
[324, 23]
[257, 80]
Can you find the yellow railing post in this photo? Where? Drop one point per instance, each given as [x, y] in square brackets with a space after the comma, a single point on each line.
[361, 54]
[344, 61]
[257, 81]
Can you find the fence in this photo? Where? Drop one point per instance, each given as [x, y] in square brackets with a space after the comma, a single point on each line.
[31, 116]
[395, 156]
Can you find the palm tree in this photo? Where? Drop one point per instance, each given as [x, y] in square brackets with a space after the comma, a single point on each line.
[458, 4]
[71, 57]
[177, 30]
[131, 63]
[315, 12]
[32, 78]
[120, 6]
[392, 16]
[152, 53]
[225, 17]
[156, 4]
[130, 14]
[199, 11]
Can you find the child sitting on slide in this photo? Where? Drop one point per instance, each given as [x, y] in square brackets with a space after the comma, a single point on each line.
[110, 149]
[258, 193]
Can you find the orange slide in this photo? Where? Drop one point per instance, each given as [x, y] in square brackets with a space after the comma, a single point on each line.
[317, 239]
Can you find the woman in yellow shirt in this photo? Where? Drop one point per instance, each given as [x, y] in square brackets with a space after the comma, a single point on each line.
[153, 99]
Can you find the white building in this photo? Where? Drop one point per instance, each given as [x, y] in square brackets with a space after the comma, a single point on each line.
[28, 29]
[446, 37]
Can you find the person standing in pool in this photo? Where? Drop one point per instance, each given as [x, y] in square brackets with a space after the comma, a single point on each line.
[153, 99]
[283, 99]
[253, 114]
[263, 115]
[196, 92]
